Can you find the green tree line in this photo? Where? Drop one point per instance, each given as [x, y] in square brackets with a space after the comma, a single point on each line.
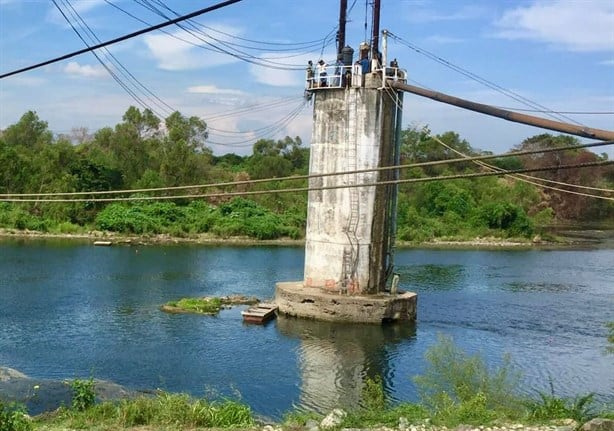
[143, 151]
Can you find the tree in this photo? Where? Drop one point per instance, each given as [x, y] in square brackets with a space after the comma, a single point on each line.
[29, 132]
[278, 158]
[567, 205]
[183, 156]
[418, 146]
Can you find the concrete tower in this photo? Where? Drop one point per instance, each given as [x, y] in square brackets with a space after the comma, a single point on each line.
[350, 224]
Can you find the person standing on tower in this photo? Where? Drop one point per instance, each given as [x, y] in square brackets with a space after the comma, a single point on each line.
[322, 73]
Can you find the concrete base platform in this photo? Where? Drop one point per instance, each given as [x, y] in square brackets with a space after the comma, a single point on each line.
[294, 299]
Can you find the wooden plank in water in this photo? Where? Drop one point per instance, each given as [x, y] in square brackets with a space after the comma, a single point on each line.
[103, 243]
[259, 313]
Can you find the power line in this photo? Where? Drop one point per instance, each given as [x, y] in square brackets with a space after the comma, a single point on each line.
[218, 45]
[322, 175]
[113, 60]
[332, 187]
[268, 130]
[562, 112]
[123, 38]
[483, 81]
[531, 179]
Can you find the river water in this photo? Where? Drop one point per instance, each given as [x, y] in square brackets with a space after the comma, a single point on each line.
[72, 310]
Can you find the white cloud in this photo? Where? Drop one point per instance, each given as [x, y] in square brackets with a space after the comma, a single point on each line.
[609, 62]
[177, 51]
[86, 70]
[81, 7]
[281, 77]
[212, 89]
[574, 25]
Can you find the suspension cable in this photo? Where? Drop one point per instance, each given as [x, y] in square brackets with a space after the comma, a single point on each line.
[330, 174]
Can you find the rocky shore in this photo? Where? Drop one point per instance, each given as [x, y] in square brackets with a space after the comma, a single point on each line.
[45, 395]
[122, 239]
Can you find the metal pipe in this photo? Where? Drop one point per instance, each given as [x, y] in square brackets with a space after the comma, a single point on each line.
[396, 176]
[558, 126]
[384, 49]
[343, 6]
[375, 34]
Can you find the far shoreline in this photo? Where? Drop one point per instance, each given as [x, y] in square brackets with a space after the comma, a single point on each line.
[479, 243]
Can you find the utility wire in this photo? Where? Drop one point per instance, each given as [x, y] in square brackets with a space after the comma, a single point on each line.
[560, 112]
[484, 81]
[166, 108]
[528, 178]
[269, 130]
[289, 46]
[221, 46]
[332, 187]
[123, 38]
[322, 175]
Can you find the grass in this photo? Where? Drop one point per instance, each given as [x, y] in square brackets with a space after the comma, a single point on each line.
[162, 410]
[195, 305]
[456, 388]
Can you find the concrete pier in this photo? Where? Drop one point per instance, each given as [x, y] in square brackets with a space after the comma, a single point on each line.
[349, 243]
[295, 299]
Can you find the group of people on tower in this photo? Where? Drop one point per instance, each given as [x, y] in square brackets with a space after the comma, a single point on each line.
[346, 74]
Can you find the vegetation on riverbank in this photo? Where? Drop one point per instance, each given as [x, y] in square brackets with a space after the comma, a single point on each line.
[455, 389]
[207, 304]
[142, 153]
[194, 305]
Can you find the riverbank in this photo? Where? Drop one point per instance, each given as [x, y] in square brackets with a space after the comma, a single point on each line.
[577, 238]
[118, 408]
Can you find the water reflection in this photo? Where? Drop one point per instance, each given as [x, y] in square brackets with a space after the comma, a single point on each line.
[438, 277]
[520, 286]
[335, 359]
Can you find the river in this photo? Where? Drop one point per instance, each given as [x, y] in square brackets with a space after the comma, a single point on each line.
[68, 309]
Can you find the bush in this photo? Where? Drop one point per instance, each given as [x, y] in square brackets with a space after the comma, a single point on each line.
[83, 395]
[458, 387]
[13, 418]
[549, 407]
[505, 216]
[198, 305]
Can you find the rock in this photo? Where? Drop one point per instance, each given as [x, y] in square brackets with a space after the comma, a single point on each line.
[464, 427]
[599, 424]
[403, 423]
[333, 419]
[7, 374]
[312, 425]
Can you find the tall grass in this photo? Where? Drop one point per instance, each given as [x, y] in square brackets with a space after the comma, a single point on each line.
[164, 409]
[460, 387]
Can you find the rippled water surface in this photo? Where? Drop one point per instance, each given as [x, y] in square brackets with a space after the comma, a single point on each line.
[72, 310]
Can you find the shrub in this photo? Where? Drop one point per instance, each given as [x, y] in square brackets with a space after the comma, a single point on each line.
[83, 395]
[549, 407]
[505, 216]
[198, 305]
[373, 395]
[456, 384]
[13, 418]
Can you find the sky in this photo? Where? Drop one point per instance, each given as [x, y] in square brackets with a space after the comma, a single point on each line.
[558, 54]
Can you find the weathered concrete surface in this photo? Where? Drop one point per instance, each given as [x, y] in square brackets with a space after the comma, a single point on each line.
[347, 231]
[294, 299]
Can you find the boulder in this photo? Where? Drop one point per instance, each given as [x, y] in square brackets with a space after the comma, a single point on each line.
[599, 424]
[333, 419]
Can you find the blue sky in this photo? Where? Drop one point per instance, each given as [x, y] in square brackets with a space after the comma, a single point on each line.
[558, 53]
